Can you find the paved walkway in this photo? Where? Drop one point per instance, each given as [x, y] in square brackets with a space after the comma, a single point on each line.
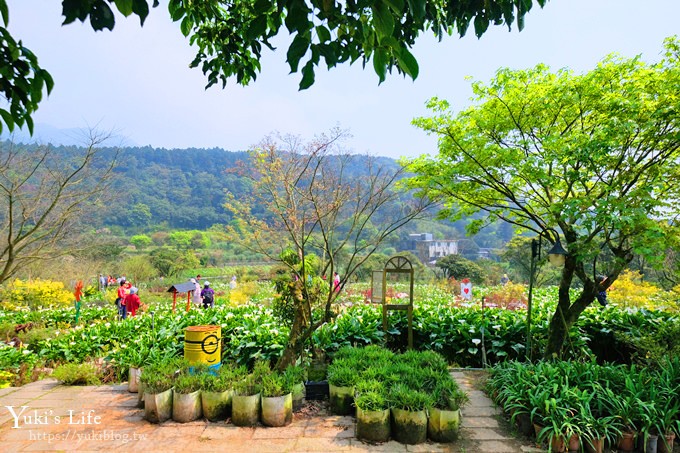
[96, 418]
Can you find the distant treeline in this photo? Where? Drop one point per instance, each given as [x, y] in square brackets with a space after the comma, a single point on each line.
[179, 188]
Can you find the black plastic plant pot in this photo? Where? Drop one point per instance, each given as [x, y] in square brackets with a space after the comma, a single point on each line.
[316, 390]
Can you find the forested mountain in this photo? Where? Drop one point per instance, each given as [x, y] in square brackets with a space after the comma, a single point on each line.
[179, 188]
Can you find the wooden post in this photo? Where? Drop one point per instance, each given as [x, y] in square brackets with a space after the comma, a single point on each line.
[188, 301]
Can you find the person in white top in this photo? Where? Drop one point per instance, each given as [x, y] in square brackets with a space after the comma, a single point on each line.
[198, 300]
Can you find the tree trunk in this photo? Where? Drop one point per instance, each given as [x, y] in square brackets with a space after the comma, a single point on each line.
[300, 331]
[296, 340]
[566, 314]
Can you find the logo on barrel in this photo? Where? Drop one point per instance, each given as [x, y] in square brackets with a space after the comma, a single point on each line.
[209, 346]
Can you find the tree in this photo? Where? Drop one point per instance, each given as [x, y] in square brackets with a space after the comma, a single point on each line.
[459, 268]
[140, 241]
[170, 262]
[305, 202]
[230, 36]
[43, 201]
[139, 215]
[590, 157]
[138, 268]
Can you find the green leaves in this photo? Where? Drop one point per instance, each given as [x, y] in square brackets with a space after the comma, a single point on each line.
[186, 25]
[124, 6]
[297, 50]
[383, 30]
[380, 62]
[101, 16]
[382, 20]
[417, 8]
[407, 62]
[4, 12]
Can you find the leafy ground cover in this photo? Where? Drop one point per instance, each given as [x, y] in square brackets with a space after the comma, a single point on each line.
[460, 331]
[588, 400]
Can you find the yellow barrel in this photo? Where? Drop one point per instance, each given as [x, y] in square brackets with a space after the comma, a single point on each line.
[203, 344]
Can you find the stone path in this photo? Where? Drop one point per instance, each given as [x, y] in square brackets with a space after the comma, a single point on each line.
[483, 429]
[96, 418]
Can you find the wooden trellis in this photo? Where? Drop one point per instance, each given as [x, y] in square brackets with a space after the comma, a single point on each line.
[397, 265]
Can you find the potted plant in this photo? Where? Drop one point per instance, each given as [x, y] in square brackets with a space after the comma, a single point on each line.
[245, 403]
[597, 431]
[409, 414]
[186, 397]
[373, 412]
[217, 392]
[342, 376]
[445, 416]
[157, 382]
[667, 421]
[277, 400]
[137, 358]
[295, 379]
[316, 385]
[561, 424]
[627, 405]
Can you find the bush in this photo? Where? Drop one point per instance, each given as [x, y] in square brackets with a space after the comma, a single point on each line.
[511, 296]
[630, 290]
[76, 374]
[187, 383]
[274, 384]
[371, 401]
[342, 373]
[459, 268]
[158, 377]
[403, 397]
[35, 294]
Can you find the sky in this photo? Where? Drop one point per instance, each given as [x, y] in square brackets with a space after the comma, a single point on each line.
[136, 81]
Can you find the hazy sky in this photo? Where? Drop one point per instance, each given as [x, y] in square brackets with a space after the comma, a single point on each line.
[136, 80]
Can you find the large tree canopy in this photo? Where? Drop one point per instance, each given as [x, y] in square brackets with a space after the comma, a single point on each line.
[230, 35]
[593, 157]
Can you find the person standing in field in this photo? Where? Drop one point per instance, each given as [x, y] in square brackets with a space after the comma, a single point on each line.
[132, 301]
[120, 299]
[208, 296]
[336, 282]
[197, 292]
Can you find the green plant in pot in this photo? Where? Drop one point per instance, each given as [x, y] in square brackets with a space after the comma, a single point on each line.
[156, 379]
[667, 424]
[445, 416]
[409, 413]
[295, 377]
[558, 430]
[373, 413]
[515, 397]
[216, 393]
[245, 403]
[598, 431]
[342, 376]
[628, 405]
[137, 357]
[277, 400]
[186, 397]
